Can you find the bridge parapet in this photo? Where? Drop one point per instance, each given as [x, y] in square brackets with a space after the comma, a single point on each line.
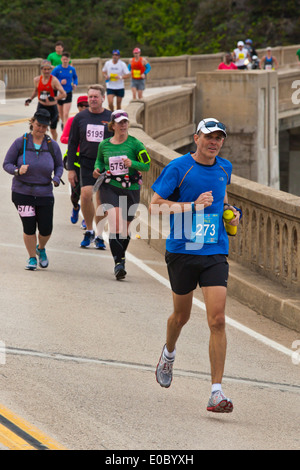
[18, 74]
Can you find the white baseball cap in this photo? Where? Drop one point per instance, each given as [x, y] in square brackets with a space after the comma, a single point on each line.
[240, 43]
[119, 115]
[208, 125]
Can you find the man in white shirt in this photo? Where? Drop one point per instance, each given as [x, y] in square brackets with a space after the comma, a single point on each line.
[241, 56]
[114, 72]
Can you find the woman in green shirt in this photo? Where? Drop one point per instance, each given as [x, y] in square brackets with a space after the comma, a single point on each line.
[120, 161]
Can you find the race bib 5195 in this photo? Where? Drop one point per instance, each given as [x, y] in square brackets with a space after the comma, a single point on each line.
[94, 133]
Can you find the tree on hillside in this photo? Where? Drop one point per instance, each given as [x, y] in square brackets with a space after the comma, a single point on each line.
[93, 28]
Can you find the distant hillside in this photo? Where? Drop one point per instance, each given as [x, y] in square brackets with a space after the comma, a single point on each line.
[93, 28]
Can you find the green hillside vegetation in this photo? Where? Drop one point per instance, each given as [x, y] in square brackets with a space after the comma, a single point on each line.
[92, 28]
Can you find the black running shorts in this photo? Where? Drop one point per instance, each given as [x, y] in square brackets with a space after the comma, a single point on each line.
[68, 99]
[53, 114]
[186, 271]
[35, 212]
[86, 171]
[118, 92]
[126, 199]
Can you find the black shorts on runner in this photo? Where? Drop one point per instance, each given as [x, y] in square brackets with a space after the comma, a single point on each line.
[53, 114]
[120, 197]
[86, 171]
[35, 212]
[187, 271]
[67, 100]
[118, 92]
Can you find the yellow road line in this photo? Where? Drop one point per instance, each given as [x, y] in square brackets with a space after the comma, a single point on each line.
[12, 441]
[17, 434]
[17, 121]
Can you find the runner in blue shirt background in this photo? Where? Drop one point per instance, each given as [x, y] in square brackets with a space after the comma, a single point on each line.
[67, 76]
[194, 188]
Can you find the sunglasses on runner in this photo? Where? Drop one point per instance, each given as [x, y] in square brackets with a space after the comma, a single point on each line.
[119, 116]
[220, 125]
[211, 126]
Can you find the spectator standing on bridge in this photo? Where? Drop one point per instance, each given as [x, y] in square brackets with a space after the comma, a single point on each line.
[139, 67]
[227, 64]
[56, 56]
[122, 158]
[32, 159]
[114, 71]
[88, 129]
[45, 86]
[186, 185]
[251, 49]
[67, 76]
[241, 56]
[269, 61]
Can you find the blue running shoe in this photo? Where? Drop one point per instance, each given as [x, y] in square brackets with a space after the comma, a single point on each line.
[88, 239]
[99, 243]
[83, 225]
[43, 260]
[31, 264]
[75, 214]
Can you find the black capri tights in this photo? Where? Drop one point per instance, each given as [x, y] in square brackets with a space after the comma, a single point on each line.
[34, 217]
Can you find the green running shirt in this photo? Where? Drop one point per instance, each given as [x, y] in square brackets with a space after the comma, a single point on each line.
[110, 157]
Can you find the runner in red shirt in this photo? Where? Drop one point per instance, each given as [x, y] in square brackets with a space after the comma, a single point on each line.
[45, 86]
[139, 68]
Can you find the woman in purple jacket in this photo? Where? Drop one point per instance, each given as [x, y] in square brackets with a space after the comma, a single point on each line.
[32, 159]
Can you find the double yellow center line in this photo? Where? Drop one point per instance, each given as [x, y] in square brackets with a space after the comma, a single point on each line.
[17, 434]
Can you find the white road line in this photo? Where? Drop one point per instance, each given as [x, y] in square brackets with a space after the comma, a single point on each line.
[165, 282]
[148, 368]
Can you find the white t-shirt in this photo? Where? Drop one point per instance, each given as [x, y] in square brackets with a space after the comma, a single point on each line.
[113, 70]
[241, 56]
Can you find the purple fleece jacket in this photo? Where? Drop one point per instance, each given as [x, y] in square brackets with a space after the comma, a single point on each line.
[40, 167]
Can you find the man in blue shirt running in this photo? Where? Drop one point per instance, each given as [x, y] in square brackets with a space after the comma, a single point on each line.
[67, 76]
[192, 189]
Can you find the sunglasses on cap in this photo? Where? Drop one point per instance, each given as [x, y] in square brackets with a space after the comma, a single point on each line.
[118, 115]
[220, 125]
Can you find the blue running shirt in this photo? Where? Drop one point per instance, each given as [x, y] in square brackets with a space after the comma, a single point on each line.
[183, 180]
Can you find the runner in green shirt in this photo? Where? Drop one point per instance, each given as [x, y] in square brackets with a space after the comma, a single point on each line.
[55, 57]
[120, 160]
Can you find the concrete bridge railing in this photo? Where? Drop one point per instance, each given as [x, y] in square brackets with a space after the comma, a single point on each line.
[18, 74]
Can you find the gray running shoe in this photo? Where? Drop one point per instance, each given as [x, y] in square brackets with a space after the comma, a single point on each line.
[218, 403]
[164, 371]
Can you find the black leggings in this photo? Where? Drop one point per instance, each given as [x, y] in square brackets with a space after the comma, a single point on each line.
[35, 216]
